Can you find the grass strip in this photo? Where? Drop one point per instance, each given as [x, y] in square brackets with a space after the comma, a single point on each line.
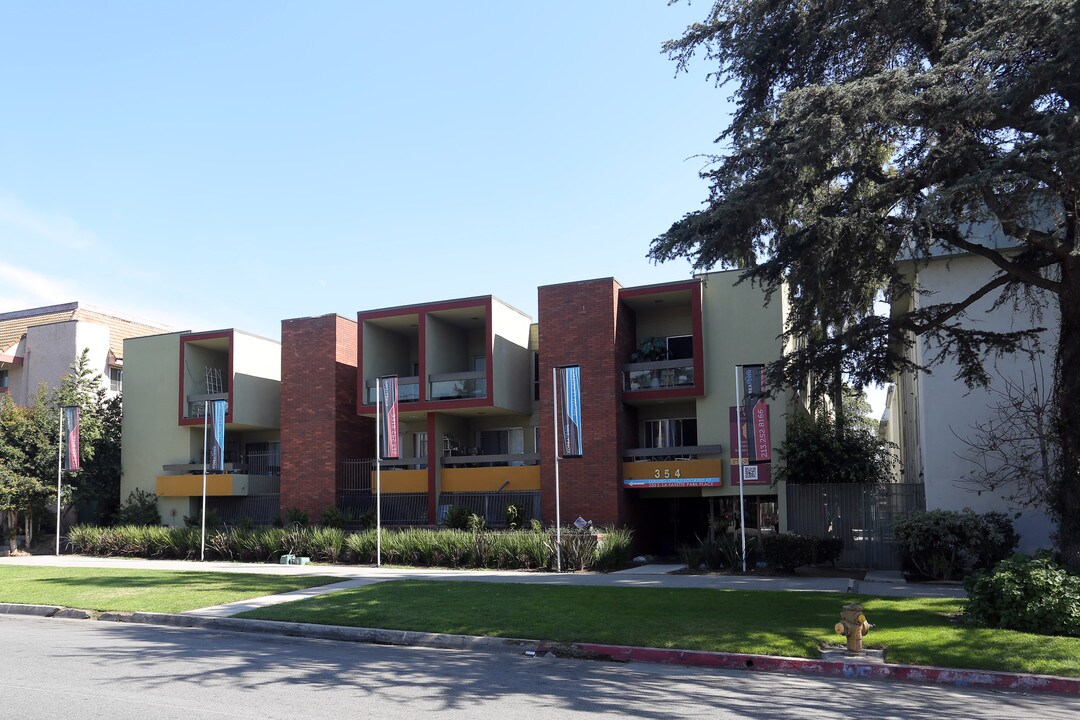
[140, 590]
[924, 631]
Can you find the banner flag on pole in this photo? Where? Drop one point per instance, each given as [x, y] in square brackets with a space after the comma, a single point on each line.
[71, 437]
[568, 410]
[756, 413]
[391, 441]
[217, 435]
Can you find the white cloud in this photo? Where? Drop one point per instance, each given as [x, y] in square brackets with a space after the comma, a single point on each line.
[37, 225]
[21, 288]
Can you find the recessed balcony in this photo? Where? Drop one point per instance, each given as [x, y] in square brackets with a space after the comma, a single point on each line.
[408, 390]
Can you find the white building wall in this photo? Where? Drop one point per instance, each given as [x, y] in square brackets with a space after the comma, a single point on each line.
[947, 408]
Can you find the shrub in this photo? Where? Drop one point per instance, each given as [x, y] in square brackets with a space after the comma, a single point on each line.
[788, 551]
[576, 547]
[475, 523]
[140, 508]
[1033, 595]
[813, 452]
[457, 517]
[614, 549]
[296, 517]
[943, 544]
[513, 517]
[213, 520]
[332, 517]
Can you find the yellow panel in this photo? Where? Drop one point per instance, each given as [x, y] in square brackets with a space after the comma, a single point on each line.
[523, 477]
[191, 485]
[402, 481]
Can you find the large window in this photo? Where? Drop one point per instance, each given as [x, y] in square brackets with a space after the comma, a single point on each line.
[675, 432]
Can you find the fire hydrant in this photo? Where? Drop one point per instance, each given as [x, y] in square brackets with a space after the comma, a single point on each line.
[853, 624]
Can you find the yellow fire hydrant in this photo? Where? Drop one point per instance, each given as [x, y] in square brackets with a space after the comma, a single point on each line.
[853, 624]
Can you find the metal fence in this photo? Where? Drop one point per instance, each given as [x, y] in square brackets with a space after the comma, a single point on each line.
[492, 505]
[860, 514]
[397, 508]
[262, 504]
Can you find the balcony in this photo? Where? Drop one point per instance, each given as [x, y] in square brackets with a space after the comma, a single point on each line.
[196, 404]
[658, 375]
[408, 390]
[458, 386]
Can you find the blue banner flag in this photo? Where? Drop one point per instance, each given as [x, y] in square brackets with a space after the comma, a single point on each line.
[217, 435]
[568, 407]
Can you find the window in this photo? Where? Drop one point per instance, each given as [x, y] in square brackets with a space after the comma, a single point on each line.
[676, 432]
[536, 376]
[680, 347]
[3, 379]
[116, 379]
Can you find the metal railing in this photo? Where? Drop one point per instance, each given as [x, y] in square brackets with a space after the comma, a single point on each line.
[860, 514]
[397, 508]
[491, 460]
[408, 390]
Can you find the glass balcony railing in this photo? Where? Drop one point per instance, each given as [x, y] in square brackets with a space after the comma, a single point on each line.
[458, 386]
[658, 375]
[408, 390]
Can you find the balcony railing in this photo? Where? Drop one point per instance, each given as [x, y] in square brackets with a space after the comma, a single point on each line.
[458, 386]
[491, 460]
[658, 375]
[196, 404]
[682, 452]
[408, 390]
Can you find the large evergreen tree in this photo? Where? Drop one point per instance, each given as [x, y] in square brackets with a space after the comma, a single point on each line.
[871, 131]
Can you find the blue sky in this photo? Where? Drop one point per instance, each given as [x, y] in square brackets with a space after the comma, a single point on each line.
[232, 164]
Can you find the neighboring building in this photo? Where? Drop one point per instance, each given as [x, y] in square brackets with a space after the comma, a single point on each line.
[169, 380]
[657, 367]
[930, 415]
[40, 345]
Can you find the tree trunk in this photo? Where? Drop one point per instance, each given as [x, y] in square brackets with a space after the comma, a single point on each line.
[12, 529]
[1065, 496]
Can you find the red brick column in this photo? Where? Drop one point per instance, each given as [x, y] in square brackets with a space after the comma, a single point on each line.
[319, 424]
[583, 323]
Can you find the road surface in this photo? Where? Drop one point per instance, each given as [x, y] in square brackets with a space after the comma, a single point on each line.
[78, 669]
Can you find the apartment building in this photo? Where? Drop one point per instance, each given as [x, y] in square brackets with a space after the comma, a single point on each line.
[476, 413]
[39, 346]
[171, 381]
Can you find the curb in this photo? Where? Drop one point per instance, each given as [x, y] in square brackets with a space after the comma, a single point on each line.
[918, 674]
[373, 636]
[987, 679]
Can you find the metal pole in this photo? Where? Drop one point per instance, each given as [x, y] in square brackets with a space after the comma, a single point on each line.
[555, 443]
[378, 474]
[738, 437]
[59, 475]
[202, 515]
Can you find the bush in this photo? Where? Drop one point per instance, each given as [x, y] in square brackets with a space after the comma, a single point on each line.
[140, 508]
[788, 551]
[614, 549]
[457, 517]
[296, 517]
[944, 544]
[513, 517]
[332, 517]
[1034, 595]
[813, 452]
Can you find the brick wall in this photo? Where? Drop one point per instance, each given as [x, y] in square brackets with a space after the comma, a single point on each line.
[582, 323]
[319, 425]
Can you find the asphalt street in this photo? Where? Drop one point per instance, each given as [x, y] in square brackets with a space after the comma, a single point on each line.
[77, 670]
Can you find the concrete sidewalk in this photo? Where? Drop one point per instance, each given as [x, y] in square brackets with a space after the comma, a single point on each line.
[659, 576]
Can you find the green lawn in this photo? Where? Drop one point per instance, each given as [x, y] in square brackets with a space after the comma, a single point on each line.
[139, 590]
[794, 624]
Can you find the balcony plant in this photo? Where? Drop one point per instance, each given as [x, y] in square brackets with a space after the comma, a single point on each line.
[651, 349]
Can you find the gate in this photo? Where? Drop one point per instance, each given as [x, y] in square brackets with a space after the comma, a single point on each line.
[860, 514]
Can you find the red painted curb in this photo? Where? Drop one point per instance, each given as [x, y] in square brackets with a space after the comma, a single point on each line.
[832, 668]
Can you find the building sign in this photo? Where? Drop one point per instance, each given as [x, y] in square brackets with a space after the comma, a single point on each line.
[673, 474]
[754, 471]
